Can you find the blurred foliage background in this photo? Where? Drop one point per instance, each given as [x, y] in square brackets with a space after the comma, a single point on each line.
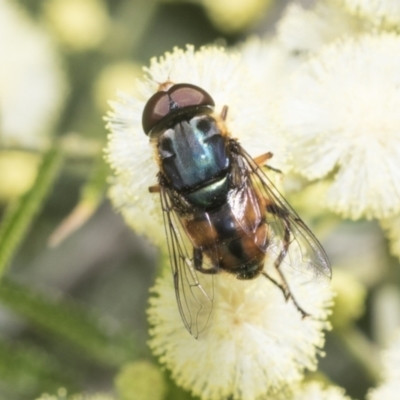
[72, 303]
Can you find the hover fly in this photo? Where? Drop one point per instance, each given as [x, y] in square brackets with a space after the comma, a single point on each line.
[222, 213]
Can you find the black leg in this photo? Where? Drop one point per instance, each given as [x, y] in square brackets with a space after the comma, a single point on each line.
[261, 161]
[273, 169]
[274, 209]
[198, 263]
[284, 290]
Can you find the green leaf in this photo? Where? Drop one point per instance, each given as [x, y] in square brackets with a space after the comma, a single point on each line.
[19, 215]
[92, 336]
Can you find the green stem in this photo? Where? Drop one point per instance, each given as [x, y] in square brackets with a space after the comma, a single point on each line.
[19, 216]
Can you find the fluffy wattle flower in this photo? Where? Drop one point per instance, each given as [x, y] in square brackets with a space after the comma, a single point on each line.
[340, 114]
[31, 82]
[390, 387]
[315, 391]
[303, 31]
[257, 343]
[384, 13]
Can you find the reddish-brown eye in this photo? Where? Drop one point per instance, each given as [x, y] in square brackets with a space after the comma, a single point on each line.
[176, 98]
[156, 108]
[186, 95]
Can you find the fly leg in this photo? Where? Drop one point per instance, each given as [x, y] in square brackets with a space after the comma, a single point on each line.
[224, 113]
[273, 209]
[198, 263]
[262, 159]
[198, 266]
[154, 189]
[284, 289]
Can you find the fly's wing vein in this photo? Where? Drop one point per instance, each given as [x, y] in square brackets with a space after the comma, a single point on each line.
[305, 254]
[194, 291]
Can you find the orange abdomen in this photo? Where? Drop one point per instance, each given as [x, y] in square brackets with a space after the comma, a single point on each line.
[236, 245]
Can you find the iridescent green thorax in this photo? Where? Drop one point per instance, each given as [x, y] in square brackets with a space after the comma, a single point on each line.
[195, 161]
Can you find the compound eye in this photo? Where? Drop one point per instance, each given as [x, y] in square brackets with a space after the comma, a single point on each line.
[186, 95]
[157, 107]
[177, 97]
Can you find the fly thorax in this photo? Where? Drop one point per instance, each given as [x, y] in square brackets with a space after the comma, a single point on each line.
[194, 157]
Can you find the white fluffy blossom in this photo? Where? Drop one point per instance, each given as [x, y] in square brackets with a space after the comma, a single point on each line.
[31, 83]
[384, 13]
[316, 391]
[270, 65]
[391, 360]
[257, 343]
[129, 152]
[390, 387]
[303, 31]
[340, 114]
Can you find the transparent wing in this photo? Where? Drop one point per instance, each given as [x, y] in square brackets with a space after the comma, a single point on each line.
[289, 239]
[195, 291]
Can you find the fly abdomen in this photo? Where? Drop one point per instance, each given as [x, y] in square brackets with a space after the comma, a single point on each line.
[210, 196]
[223, 241]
